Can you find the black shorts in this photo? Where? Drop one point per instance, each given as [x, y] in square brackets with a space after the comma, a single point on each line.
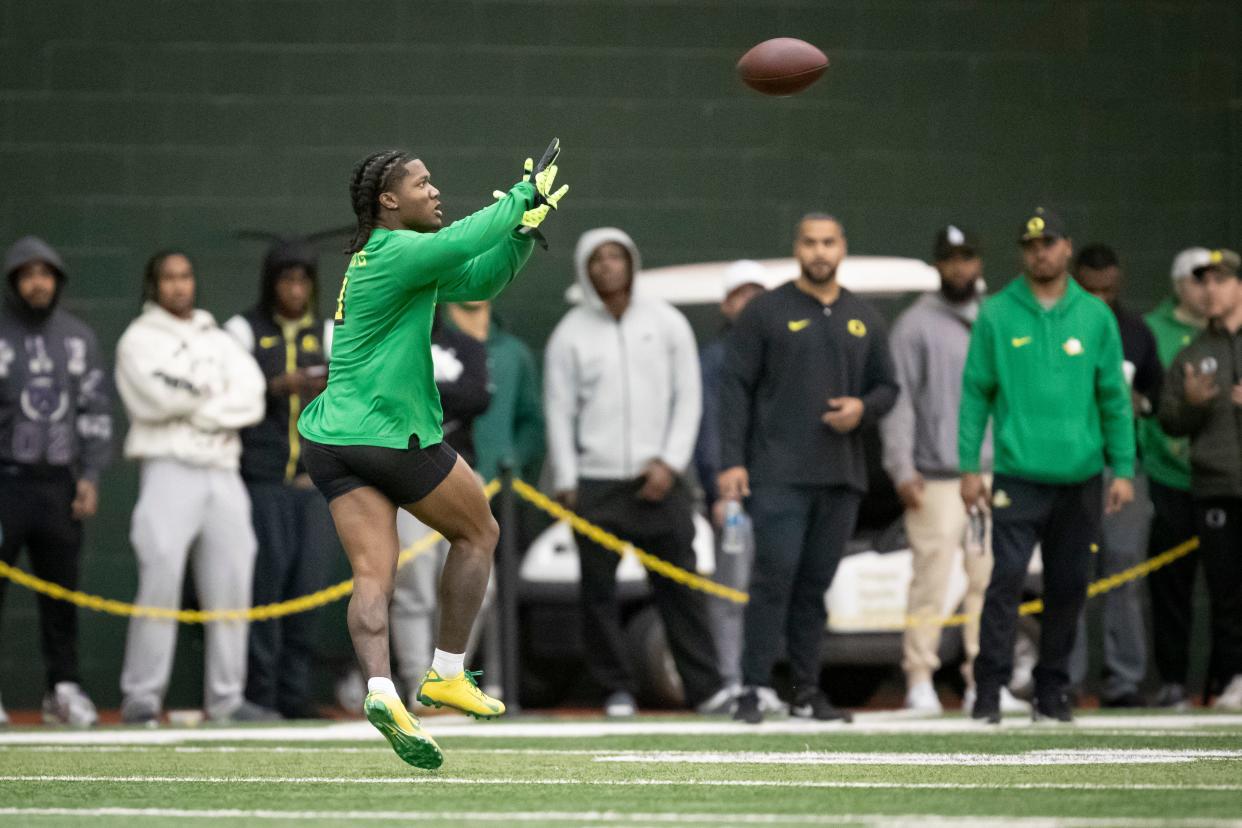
[403, 475]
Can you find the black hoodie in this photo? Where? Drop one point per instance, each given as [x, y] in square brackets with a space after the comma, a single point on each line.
[55, 410]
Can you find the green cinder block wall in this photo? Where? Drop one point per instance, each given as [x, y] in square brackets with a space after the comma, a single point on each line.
[135, 125]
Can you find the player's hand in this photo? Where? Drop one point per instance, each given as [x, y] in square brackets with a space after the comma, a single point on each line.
[1200, 389]
[568, 498]
[734, 483]
[911, 492]
[975, 492]
[85, 500]
[1236, 394]
[658, 480]
[843, 414]
[1120, 493]
[543, 173]
[718, 510]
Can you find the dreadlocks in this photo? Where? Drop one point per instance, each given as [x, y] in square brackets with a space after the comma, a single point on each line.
[372, 175]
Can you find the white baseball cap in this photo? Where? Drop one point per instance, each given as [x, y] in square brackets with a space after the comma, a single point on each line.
[744, 272]
[1188, 261]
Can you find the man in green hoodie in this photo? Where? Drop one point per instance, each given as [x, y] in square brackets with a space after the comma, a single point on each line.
[1175, 322]
[1045, 364]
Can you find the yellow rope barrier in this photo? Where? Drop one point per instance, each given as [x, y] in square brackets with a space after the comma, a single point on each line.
[580, 525]
[262, 613]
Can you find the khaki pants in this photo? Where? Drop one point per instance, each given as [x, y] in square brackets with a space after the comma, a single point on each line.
[936, 532]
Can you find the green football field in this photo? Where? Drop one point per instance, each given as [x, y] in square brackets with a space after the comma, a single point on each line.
[886, 769]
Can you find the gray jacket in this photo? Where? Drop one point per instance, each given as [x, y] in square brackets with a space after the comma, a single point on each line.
[55, 411]
[929, 344]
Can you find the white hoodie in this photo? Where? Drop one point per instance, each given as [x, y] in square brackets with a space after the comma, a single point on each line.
[619, 394]
[188, 387]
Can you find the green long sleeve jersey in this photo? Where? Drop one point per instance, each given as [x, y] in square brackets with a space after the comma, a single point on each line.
[1052, 382]
[381, 386]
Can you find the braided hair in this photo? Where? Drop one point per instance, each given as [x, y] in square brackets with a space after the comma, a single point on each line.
[373, 175]
[151, 273]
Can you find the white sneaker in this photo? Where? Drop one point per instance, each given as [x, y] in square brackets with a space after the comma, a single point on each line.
[620, 705]
[1231, 697]
[722, 702]
[770, 702]
[69, 704]
[1009, 703]
[922, 698]
[4, 717]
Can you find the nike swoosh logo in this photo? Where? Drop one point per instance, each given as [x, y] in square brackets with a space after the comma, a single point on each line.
[1019, 341]
[798, 324]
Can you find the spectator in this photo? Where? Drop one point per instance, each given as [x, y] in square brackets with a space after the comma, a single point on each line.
[807, 367]
[55, 439]
[459, 364]
[510, 431]
[1045, 364]
[284, 332]
[1123, 537]
[1175, 322]
[622, 402]
[188, 387]
[743, 281]
[929, 343]
[1202, 399]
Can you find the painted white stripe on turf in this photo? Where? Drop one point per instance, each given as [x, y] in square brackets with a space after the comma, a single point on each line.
[711, 783]
[612, 817]
[1032, 757]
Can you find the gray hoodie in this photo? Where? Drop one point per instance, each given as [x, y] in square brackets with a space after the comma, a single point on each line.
[55, 409]
[619, 393]
[929, 344]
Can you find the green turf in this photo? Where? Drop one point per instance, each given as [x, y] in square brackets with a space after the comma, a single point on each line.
[497, 776]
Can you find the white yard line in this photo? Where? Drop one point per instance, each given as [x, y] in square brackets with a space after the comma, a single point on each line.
[1033, 757]
[865, 723]
[431, 779]
[618, 818]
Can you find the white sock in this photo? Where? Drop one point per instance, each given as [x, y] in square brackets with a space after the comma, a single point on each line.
[448, 665]
[381, 684]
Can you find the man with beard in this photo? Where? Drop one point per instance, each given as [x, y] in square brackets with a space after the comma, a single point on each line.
[929, 344]
[808, 366]
[1045, 365]
[55, 439]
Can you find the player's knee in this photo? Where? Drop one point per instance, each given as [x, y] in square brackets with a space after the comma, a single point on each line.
[486, 536]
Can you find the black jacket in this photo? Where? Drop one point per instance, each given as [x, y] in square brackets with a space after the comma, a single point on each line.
[1138, 344]
[787, 354]
[55, 410]
[460, 363]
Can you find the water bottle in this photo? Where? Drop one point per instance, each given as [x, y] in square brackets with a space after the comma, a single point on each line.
[733, 540]
[976, 532]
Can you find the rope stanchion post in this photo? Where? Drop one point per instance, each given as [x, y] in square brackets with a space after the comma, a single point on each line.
[508, 586]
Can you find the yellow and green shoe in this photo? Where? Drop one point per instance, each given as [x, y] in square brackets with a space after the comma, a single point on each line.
[460, 692]
[402, 731]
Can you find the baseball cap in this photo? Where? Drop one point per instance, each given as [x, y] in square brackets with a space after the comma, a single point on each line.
[952, 239]
[744, 272]
[1042, 223]
[1227, 260]
[1186, 262]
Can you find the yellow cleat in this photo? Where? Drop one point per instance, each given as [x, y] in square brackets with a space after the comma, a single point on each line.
[402, 731]
[461, 693]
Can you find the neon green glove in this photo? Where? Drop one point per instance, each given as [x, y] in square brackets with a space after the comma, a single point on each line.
[546, 199]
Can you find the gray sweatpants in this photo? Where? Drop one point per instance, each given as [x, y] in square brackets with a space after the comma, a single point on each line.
[186, 512]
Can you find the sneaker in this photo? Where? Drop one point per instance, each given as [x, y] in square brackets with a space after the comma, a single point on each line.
[67, 703]
[136, 712]
[4, 717]
[985, 706]
[748, 709]
[620, 705]
[770, 702]
[249, 712]
[1172, 696]
[1128, 700]
[1009, 703]
[811, 703]
[721, 702]
[1231, 697]
[461, 692]
[389, 716]
[1052, 708]
[921, 697]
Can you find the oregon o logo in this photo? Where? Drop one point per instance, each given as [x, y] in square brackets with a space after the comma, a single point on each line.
[856, 327]
[1215, 518]
[1035, 225]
